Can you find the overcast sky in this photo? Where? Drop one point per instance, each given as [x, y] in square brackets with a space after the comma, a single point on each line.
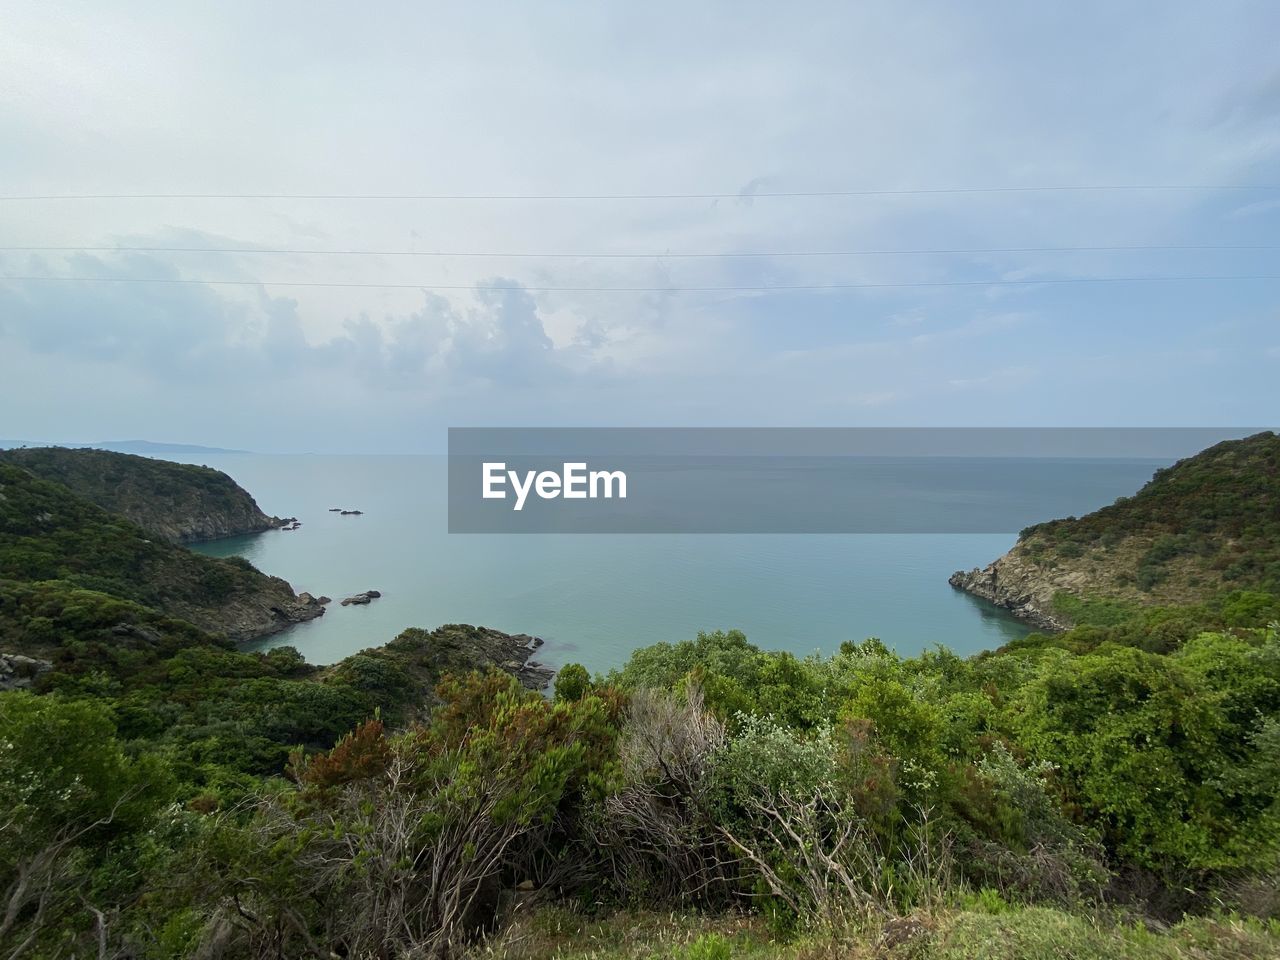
[628, 98]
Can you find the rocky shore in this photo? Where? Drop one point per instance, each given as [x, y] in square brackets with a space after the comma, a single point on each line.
[249, 614]
[423, 657]
[459, 647]
[1015, 585]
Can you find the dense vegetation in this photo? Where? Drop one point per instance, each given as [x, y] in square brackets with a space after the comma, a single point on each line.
[1207, 523]
[49, 533]
[172, 501]
[1113, 790]
[1085, 774]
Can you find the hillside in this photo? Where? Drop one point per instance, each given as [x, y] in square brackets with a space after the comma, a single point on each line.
[49, 533]
[1109, 791]
[1207, 524]
[177, 502]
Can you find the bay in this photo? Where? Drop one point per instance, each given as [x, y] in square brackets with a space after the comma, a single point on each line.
[595, 598]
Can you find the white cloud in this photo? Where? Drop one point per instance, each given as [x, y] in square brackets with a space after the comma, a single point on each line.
[611, 99]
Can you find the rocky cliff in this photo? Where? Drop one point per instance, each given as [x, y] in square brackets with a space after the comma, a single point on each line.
[176, 502]
[1016, 585]
[47, 533]
[1204, 526]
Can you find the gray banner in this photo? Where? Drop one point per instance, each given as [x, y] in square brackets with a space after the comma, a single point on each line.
[803, 480]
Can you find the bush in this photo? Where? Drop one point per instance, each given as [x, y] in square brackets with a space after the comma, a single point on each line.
[69, 793]
[399, 841]
[572, 682]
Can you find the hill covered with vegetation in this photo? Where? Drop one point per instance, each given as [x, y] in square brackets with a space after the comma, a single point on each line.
[49, 533]
[176, 502]
[1206, 525]
[1112, 790]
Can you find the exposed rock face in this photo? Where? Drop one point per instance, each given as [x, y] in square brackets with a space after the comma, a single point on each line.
[531, 673]
[360, 599]
[18, 672]
[175, 502]
[1015, 585]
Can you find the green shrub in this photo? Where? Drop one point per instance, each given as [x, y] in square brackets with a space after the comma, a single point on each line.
[572, 682]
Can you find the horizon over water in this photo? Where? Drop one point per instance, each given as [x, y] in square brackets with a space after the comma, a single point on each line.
[593, 598]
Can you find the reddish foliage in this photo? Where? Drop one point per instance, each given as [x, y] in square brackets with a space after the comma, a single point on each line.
[361, 754]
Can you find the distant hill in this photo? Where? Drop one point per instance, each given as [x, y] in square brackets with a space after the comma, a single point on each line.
[176, 502]
[148, 446]
[125, 446]
[1207, 524]
[49, 533]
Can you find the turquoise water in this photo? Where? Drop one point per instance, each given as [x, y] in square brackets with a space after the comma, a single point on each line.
[593, 598]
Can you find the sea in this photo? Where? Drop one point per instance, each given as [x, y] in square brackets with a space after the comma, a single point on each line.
[594, 598]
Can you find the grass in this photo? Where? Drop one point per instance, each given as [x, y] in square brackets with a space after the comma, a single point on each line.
[1010, 933]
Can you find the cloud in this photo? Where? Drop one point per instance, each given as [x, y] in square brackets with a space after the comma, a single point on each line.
[1003, 379]
[242, 98]
[191, 332]
[1256, 209]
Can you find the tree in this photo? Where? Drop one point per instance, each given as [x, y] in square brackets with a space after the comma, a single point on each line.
[65, 789]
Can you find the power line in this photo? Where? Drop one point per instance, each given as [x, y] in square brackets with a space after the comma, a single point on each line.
[302, 251]
[709, 289]
[739, 195]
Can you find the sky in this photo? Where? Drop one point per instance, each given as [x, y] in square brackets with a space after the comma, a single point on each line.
[440, 326]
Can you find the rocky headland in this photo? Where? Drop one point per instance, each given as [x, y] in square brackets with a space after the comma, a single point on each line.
[50, 533]
[1013, 584]
[174, 502]
[1202, 527]
[415, 661]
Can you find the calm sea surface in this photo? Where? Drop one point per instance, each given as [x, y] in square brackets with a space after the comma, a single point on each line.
[595, 598]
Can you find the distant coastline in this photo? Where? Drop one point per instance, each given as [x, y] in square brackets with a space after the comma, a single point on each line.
[143, 447]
